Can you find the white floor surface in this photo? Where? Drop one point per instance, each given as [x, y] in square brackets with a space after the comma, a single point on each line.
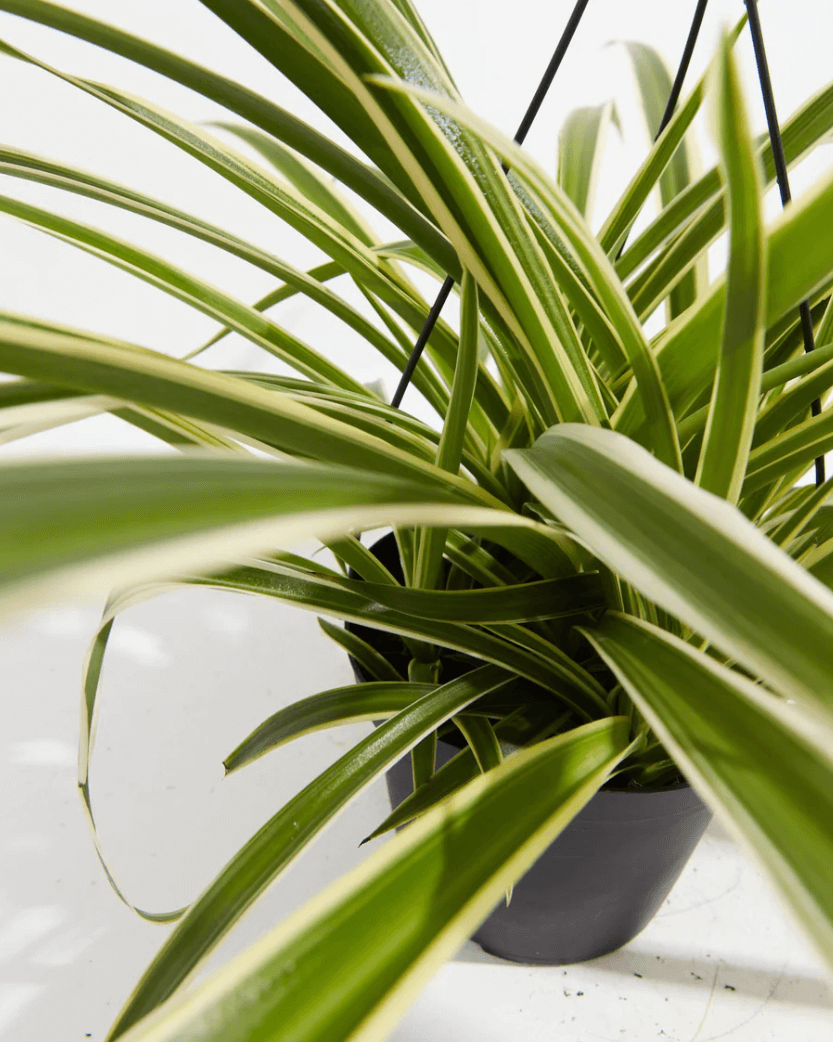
[188, 676]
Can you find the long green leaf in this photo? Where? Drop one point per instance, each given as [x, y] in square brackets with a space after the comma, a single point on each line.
[689, 552]
[462, 185]
[547, 599]
[766, 769]
[799, 261]
[654, 84]
[374, 665]
[321, 273]
[304, 177]
[356, 704]
[279, 198]
[360, 177]
[481, 739]
[596, 265]
[198, 294]
[286, 834]
[72, 527]
[542, 662]
[16, 163]
[575, 286]
[431, 543]
[794, 449]
[581, 142]
[803, 131]
[807, 129]
[427, 890]
[22, 421]
[734, 405]
[787, 406]
[365, 265]
[293, 45]
[369, 414]
[802, 365]
[526, 724]
[119, 521]
[173, 429]
[619, 222]
[29, 392]
[802, 516]
[512, 647]
[793, 404]
[153, 380]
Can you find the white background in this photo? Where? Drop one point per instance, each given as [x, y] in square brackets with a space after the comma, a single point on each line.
[190, 674]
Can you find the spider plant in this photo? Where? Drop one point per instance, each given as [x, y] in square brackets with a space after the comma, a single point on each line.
[609, 530]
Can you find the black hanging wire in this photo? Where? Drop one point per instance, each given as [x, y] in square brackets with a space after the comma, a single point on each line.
[523, 129]
[679, 79]
[782, 178]
[685, 61]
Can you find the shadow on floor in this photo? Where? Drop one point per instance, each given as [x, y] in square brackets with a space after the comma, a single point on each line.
[754, 981]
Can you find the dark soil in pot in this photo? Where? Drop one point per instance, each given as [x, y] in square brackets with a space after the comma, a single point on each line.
[605, 876]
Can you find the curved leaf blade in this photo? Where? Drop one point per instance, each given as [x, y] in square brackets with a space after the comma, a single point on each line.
[363, 179]
[374, 665]
[803, 131]
[596, 265]
[692, 554]
[482, 740]
[512, 647]
[580, 145]
[356, 704]
[281, 839]
[766, 770]
[734, 404]
[406, 908]
[545, 599]
[180, 284]
[654, 84]
[147, 378]
[525, 726]
[82, 526]
[304, 177]
[799, 262]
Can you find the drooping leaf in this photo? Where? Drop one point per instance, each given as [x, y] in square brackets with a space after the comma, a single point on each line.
[482, 740]
[247, 104]
[421, 908]
[581, 141]
[123, 520]
[147, 378]
[764, 767]
[304, 177]
[514, 647]
[689, 552]
[287, 833]
[16, 163]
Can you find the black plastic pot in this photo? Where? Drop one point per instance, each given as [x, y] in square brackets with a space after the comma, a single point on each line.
[602, 880]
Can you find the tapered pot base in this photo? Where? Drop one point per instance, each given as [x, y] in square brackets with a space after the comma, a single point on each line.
[599, 883]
